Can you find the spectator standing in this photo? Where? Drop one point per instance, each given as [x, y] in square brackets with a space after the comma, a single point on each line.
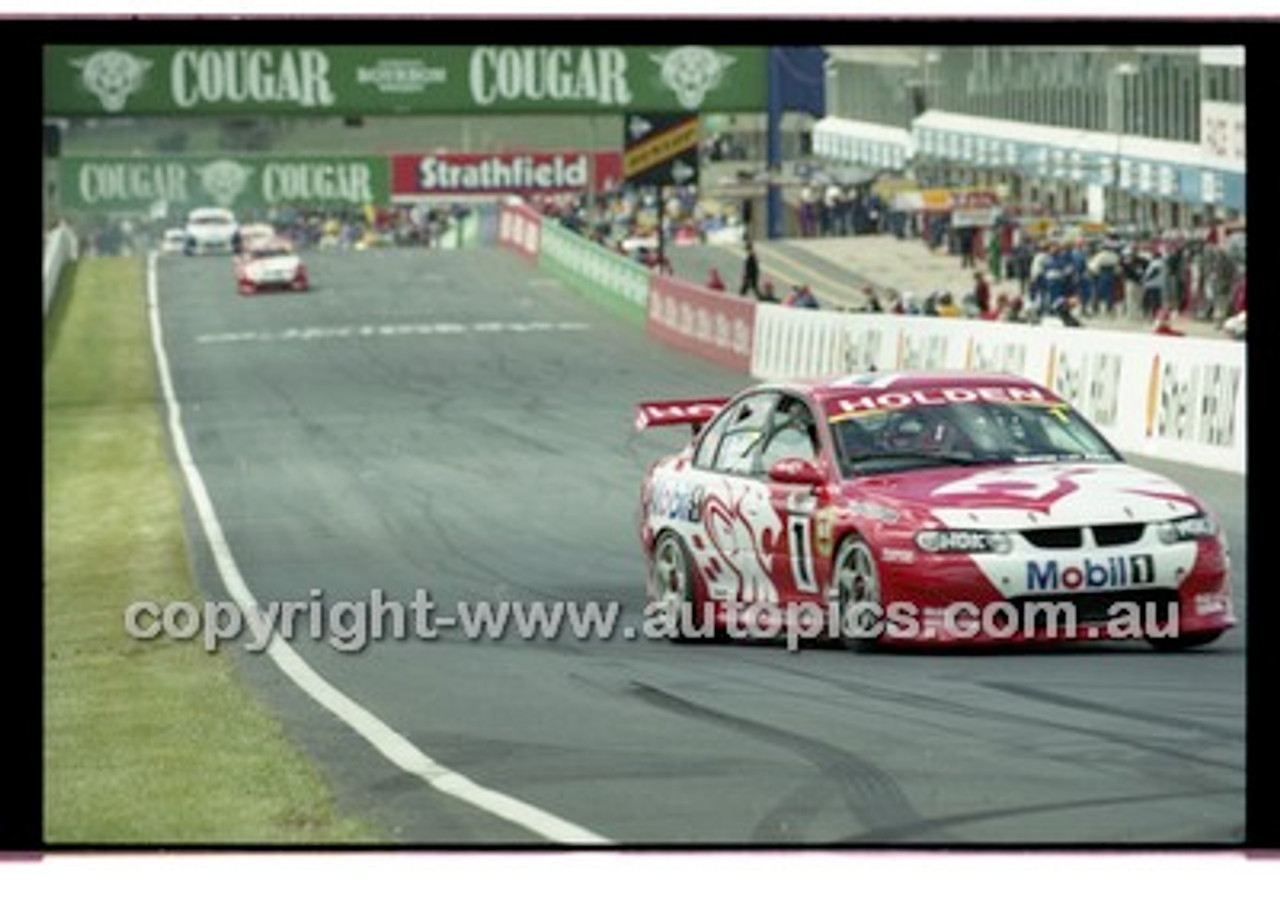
[767, 294]
[981, 294]
[750, 273]
[844, 211]
[995, 256]
[1079, 277]
[1039, 262]
[966, 238]
[1153, 285]
[1103, 266]
[1022, 255]
[714, 281]
[831, 200]
[1132, 268]
[808, 210]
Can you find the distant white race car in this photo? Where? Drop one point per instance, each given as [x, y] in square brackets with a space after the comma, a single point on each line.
[212, 230]
[173, 241]
[255, 234]
[271, 265]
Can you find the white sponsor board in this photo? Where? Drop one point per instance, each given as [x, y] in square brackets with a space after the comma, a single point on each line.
[1174, 398]
[60, 248]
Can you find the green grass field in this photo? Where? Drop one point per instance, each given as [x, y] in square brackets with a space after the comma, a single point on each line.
[144, 742]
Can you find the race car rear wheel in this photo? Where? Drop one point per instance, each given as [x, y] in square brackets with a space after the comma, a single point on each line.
[1184, 641]
[684, 617]
[855, 592]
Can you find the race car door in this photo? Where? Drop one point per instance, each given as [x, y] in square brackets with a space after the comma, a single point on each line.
[740, 533]
[793, 434]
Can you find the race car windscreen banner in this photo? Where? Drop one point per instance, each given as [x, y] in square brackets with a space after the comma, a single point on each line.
[705, 322]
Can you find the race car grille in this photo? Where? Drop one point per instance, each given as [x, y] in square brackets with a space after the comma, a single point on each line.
[1054, 538]
[1153, 606]
[1117, 534]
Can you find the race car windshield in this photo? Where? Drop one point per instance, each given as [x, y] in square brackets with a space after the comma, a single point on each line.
[883, 440]
[270, 252]
[211, 220]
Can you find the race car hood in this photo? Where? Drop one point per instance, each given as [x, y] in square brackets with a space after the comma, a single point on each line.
[1021, 495]
[211, 231]
[275, 266]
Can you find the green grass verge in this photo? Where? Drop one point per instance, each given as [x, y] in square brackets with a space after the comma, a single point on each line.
[144, 742]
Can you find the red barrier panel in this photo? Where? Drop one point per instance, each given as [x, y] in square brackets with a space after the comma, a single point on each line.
[714, 325]
[520, 229]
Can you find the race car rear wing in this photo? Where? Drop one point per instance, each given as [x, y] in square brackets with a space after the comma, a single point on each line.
[662, 413]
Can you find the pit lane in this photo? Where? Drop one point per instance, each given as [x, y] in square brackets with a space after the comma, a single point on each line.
[458, 423]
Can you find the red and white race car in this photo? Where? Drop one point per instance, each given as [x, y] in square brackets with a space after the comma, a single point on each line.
[270, 265]
[919, 508]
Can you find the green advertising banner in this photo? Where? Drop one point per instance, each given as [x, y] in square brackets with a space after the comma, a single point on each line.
[594, 271]
[241, 181]
[415, 80]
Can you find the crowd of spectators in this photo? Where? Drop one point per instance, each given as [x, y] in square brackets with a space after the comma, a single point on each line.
[1156, 280]
[627, 220]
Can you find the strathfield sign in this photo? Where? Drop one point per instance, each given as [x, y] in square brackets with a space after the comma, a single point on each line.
[415, 174]
[134, 184]
[415, 80]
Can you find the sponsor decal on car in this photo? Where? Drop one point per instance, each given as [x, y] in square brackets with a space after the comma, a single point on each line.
[881, 402]
[676, 501]
[1091, 574]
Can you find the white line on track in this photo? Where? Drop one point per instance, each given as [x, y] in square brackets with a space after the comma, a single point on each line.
[393, 746]
[411, 329]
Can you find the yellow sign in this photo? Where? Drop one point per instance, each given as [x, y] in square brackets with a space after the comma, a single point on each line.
[659, 148]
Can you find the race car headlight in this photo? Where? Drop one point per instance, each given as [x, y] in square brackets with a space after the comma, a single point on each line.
[1181, 529]
[946, 541]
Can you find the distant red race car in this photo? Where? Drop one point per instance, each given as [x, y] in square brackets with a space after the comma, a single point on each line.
[272, 264]
[920, 508]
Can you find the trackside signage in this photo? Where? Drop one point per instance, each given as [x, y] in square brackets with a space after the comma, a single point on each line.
[520, 229]
[1172, 398]
[83, 80]
[426, 174]
[592, 269]
[704, 322]
[138, 183]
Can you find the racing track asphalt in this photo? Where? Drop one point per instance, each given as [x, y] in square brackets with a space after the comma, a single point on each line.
[485, 463]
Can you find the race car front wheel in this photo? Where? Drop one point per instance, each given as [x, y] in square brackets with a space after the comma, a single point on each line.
[682, 616]
[855, 593]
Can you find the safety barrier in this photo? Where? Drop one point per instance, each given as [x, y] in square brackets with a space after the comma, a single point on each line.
[61, 247]
[704, 322]
[593, 270]
[520, 229]
[1176, 398]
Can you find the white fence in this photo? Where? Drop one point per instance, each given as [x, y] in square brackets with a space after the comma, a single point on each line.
[61, 246]
[1176, 398]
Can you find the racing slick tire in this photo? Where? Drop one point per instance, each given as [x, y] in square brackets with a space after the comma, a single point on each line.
[855, 594]
[1184, 641]
[687, 619]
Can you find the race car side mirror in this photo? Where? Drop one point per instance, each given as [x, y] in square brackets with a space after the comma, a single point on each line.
[794, 470]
